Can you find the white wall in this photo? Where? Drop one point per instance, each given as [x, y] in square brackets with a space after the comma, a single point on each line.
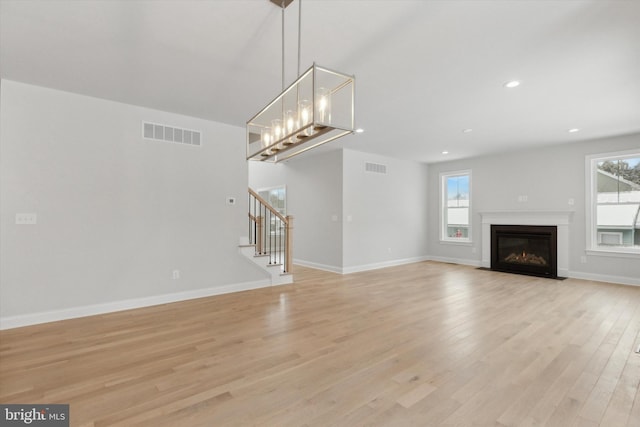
[314, 198]
[346, 219]
[116, 213]
[549, 177]
[385, 214]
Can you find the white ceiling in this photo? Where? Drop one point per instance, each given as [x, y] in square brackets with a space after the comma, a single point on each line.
[425, 70]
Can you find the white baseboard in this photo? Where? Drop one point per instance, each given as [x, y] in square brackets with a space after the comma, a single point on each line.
[317, 266]
[358, 268]
[11, 322]
[461, 261]
[621, 280]
[384, 264]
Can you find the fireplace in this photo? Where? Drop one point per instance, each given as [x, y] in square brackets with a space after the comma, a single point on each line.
[525, 249]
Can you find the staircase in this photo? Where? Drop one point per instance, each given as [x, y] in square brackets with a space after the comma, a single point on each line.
[270, 240]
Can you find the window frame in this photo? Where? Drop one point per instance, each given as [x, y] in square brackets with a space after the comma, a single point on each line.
[282, 188]
[443, 219]
[591, 206]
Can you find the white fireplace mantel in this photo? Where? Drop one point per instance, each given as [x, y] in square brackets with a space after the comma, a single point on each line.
[561, 219]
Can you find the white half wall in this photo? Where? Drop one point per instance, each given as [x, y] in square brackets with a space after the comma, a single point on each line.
[116, 213]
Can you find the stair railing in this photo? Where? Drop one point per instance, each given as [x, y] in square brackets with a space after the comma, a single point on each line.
[270, 232]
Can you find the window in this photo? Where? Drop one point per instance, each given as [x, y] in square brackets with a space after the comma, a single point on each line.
[613, 202]
[277, 198]
[455, 206]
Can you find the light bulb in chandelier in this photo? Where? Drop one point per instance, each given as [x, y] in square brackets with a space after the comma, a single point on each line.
[265, 139]
[304, 108]
[278, 132]
[323, 105]
[290, 125]
[276, 125]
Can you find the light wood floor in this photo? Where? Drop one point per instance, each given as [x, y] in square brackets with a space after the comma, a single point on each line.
[427, 344]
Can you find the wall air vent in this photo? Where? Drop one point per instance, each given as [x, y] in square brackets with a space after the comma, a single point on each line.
[159, 132]
[375, 168]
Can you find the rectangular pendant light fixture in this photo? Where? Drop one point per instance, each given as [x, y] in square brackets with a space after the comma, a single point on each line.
[317, 108]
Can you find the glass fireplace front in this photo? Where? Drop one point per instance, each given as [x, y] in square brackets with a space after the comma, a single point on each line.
[524, 249]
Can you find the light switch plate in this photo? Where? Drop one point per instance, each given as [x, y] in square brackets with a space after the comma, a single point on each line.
[26, 218]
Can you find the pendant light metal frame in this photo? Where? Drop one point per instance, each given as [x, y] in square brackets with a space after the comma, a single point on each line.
[328, 97]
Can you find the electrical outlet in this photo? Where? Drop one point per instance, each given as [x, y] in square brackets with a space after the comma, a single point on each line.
[26, 218]
[176, 274]
[583, 259]
[572, 202]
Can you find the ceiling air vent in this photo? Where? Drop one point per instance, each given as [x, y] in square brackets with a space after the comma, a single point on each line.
[159, 132]
[375, 167]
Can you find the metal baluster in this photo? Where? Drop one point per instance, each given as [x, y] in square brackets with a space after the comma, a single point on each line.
[274, 239]
[268, 227]
[250, 220]
[270, 239]
[267, 243]
[280, 249]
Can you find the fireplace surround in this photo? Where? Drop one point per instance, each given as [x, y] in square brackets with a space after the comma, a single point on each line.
[560, 219]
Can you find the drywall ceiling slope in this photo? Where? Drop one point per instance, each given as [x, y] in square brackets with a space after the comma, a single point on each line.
[425, 70]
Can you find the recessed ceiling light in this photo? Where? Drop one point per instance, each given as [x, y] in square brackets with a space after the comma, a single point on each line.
[359, 130]
[574, 130]
[445, 152]
[512, 84]
[467, 130]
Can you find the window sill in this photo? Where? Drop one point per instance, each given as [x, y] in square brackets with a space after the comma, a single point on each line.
[456, 242]
[612, 253]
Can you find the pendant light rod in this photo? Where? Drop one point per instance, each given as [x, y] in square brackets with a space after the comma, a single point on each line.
[283, 6]
[299, 33]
